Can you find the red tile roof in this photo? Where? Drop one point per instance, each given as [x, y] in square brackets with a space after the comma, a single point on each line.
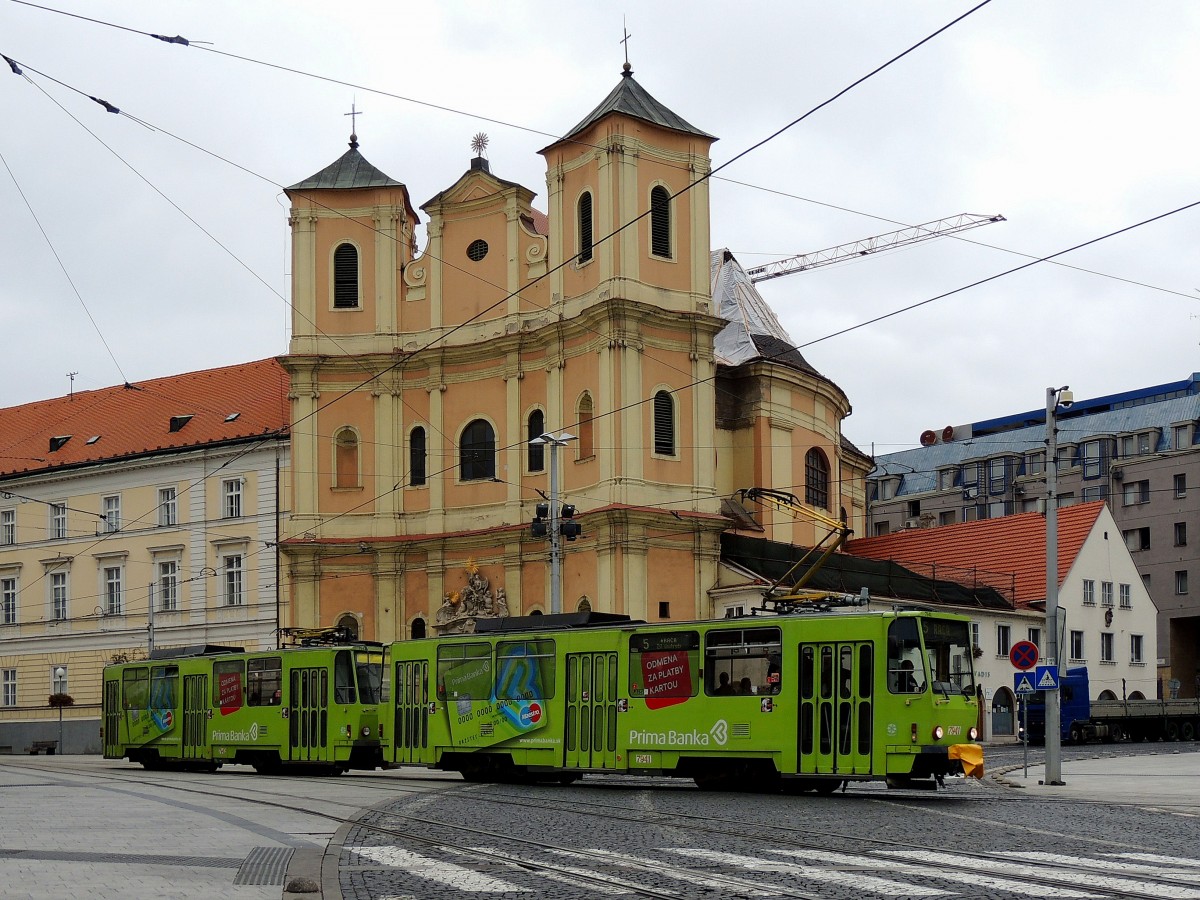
[133, 420]
[1010, 544]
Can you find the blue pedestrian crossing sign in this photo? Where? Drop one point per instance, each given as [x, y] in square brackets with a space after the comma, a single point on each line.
[1046, 678]
[1023, 683]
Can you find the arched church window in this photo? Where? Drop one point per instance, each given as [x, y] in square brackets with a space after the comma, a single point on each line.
[816, 479]
[537, 452]
[350, 624]
[477, 451]
[664, 424]
[416, 456]
[345, 277]
[583, 416]
[660, 222]
[418, 628]
[346, 463]
[585, 226]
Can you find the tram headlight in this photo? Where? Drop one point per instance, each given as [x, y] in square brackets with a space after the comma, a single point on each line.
[973, 733]
[938, 732]
[366, 731]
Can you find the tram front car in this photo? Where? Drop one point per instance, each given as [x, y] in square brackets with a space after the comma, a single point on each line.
[934, 701]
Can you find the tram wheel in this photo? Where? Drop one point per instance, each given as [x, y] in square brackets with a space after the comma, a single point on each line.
[1117, 733]
[1171, 731]
[1187, 731]
[827, 786]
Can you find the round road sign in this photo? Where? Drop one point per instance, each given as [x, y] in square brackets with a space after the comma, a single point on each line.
[1024, 655]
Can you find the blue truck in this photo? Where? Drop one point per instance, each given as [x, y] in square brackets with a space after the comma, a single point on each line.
[1084, 719]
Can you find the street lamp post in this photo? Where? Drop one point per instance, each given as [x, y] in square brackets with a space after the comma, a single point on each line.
[60, 673]
[1055, 397]
[554, 441]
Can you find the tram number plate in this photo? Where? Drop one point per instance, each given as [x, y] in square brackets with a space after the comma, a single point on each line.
[643, 759]
[954, 730]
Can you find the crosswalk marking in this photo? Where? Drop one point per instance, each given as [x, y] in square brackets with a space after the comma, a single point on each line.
[439, 870]
[1155, 867]
[1014, 866]
[691, 876]
[976, 880]
[1160, 859]
[812, 873]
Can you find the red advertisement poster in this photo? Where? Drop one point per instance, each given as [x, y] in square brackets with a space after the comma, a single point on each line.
[667, 677]
[229, 690]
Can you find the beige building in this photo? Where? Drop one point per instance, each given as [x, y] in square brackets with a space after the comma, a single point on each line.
[129, 515]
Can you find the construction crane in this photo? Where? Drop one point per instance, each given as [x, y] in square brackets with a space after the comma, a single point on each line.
[793, 597]
[889, 241]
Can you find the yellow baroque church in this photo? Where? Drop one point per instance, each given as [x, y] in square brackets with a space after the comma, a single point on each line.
[419, 380]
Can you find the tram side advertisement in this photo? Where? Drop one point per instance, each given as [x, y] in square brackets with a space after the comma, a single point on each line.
[480, 716]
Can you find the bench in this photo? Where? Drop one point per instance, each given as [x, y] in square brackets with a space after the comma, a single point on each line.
[48, 747]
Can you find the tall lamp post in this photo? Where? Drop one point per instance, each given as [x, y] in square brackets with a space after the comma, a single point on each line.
[1055, 398]
[60, 673]
[554, 441]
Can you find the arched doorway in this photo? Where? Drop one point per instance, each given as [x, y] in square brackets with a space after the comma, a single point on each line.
[1002, 712]
[418, 628]
[1107, 695]
[350, 623]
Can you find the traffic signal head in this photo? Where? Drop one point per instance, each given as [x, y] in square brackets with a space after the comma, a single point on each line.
[570, 530]
[539, 528]
[542, 510]
[568, 510]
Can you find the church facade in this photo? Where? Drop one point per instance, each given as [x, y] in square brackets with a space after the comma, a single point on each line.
[419, 380]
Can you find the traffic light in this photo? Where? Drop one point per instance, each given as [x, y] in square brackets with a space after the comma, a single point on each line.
[568, 527]
[540, 526]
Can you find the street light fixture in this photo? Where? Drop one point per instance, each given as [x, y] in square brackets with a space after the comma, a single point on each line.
[554, 441]
[59, 674]
[1055, 398]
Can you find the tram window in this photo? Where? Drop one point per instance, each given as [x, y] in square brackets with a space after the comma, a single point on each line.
[343, 678]
[664, 664]
[368, 666]
[264, 681]
[135, 688]
[905, 666]
[948, 650]
[229, 684]
[163, 683]
[464, 672]
[739, 658]
[866, 673]
[807, 667]
[525, 670]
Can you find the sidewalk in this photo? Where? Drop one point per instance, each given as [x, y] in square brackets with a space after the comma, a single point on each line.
[1169, 779]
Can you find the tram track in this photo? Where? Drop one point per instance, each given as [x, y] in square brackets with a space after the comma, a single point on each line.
[802, 843]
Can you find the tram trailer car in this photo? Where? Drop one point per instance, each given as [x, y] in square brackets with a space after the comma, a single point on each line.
[315, 709]
[1112, 720]
[806, 701]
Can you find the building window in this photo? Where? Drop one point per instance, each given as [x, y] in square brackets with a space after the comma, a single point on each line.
[1035, 637]
[1136, 492]
[167, 507]
[1093, 459]
[946, 517]
[882, 528]
[946, 479]
[1135, 649]
[345, 277]
[168, 585]
[660, 222]
[585, 226]
[1126, 602]
[1181, 581]
[477, 451]
[664, 609]
[8, 527]
[1089, 592]
[664, 424]
[58, 679]
[1095, 492]
[583, 416]
[59, 599]
[231, 504]
[114, 590]
[232, 572]
[970, 478]
[536, 453]
[1035, 463]
[1137, 539]
[975, 641]
[110, 513]
[1183, 438]
[416, 456]
[58, 521]
[816, 479]
[1003, 640]
[8, 601]
[1181, 485]
[1106, 647]
[9, 682]
[1181, 534]
[346, 459]
[1077, 646]
[997, 470]
[1106, 593]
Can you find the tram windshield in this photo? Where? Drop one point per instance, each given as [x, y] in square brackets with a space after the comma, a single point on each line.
[948, 656]
[368, 666]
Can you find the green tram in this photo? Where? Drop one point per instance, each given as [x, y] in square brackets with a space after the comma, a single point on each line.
[797, 702]
[309, 708]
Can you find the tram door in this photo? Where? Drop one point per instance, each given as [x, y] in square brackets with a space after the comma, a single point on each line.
[410, 732]
[195, 716]
[112, 720]
[308, 714]
[591, 739]
[836, 702]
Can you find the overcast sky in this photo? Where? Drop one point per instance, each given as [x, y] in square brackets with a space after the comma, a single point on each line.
[1072, 119]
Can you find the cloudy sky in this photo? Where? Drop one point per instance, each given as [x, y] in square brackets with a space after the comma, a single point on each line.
[1072, 119]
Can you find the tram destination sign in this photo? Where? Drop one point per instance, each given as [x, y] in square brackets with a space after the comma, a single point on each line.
[1023, 655]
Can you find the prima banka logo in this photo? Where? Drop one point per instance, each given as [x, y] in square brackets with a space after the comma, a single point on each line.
[250, 734]
[717, 735]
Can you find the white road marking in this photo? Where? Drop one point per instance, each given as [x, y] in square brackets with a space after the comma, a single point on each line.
[1160, 859]
[587, 881]
[1014, 867]
[1159, 867]
[813, 873]
[692, 877]
[975, 879]
[459, 877]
